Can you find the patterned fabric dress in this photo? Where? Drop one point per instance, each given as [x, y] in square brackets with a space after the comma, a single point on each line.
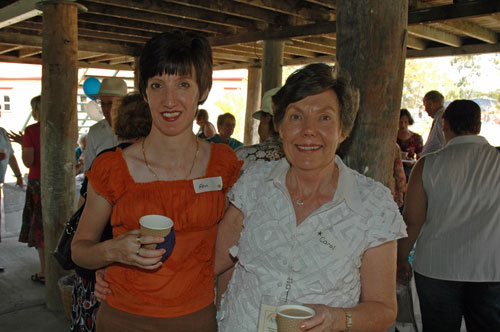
[412, 145]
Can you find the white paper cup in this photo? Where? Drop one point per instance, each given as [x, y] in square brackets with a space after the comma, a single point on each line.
[156, 225]
[289, 317]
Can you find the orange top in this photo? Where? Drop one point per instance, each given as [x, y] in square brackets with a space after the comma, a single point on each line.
[185, 282]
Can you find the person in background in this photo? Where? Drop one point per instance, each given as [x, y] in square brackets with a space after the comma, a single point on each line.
[306, 228]
[32, 227]
[407, 140]
[207, 129]
[409, 143]
[80, 152]
[225, 125]
[100, 136]
[452, 208]
[131, 121]
[169, 172]
[434, 106]
[7, 157]
[270, 146]
[398, 181]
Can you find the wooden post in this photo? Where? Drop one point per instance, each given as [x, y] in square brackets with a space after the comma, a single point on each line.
[371, 46]
[253, 104]
[272, 64]
[58, 131]
[136, 74]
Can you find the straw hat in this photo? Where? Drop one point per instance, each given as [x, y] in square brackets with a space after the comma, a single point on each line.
[266, 104]
[112, 87]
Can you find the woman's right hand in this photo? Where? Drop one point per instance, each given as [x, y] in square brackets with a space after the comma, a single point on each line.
[127, 249]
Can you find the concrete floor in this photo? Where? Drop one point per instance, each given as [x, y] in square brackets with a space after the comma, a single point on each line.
[22, 304]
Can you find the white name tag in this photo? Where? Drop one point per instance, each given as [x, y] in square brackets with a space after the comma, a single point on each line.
[267, 318]
[207, 184]
[331, 242]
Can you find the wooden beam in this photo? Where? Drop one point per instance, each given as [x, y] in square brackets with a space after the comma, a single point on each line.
[18, 11]
[306, 61]
[115, 22]
[313, 12]
[58, 133]
[11, 36]
[447, 51]
[182, 11]
[232, 8]
[416, 43]
[8, 48]
[453, 11]
[473, 30]
[313, 47]
[376, 62]
[228, 56]
[28, 51]
[439, 36]
[278, 33]
[168, 21]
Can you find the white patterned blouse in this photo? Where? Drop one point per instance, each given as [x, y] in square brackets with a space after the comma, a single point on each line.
[322, 256]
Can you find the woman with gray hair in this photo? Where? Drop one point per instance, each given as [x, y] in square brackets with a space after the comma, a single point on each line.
[307, 228]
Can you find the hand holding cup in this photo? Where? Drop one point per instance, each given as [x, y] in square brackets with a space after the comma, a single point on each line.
[290, 317]
[158, 225]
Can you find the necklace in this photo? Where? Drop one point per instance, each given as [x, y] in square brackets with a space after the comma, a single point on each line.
[156, 175]
[299, 202]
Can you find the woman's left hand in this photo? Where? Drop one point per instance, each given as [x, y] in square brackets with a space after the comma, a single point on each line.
[327, 319]
[15, 137]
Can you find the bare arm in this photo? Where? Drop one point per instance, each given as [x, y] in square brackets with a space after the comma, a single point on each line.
[28, 156]
[377, 309]
[15, 168]
[89, 253]
[414, 215]
[228, 235]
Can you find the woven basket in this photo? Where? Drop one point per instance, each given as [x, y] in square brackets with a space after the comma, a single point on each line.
[66, 288]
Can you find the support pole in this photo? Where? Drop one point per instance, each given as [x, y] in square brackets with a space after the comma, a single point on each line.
[371, 46]
[58, 131]
[253, 103]
[272, 64]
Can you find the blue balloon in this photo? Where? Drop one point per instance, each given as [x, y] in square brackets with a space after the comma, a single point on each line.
[91, 87]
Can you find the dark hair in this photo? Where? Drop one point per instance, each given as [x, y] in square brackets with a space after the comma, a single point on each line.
[435, 96]
[36, 106]
[221, 118]
[177, 53]
[464, 117]
[130, 117]
[314, 79]
[202, 114]
[405, 112]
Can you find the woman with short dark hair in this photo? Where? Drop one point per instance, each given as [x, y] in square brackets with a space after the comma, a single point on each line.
[408, 141]
[169, 172]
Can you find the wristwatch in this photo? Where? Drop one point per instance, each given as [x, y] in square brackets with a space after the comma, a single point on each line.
[348, 320]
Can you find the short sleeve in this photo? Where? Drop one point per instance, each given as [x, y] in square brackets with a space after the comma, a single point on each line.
[247, 189]
[28, 141]
[109, 175]
[226, 165]
[385, 222]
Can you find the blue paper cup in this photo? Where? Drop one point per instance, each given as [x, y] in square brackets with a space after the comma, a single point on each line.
[155, 225]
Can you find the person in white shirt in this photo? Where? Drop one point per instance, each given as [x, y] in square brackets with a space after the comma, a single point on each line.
[452, 212]
[434, 106]
[100, 136]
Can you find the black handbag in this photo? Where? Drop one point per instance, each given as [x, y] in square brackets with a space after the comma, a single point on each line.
[63, 249]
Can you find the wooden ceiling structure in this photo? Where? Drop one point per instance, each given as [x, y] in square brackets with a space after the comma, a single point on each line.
[111, 33]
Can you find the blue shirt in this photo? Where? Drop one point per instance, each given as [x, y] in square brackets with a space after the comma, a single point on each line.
[233, 143]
